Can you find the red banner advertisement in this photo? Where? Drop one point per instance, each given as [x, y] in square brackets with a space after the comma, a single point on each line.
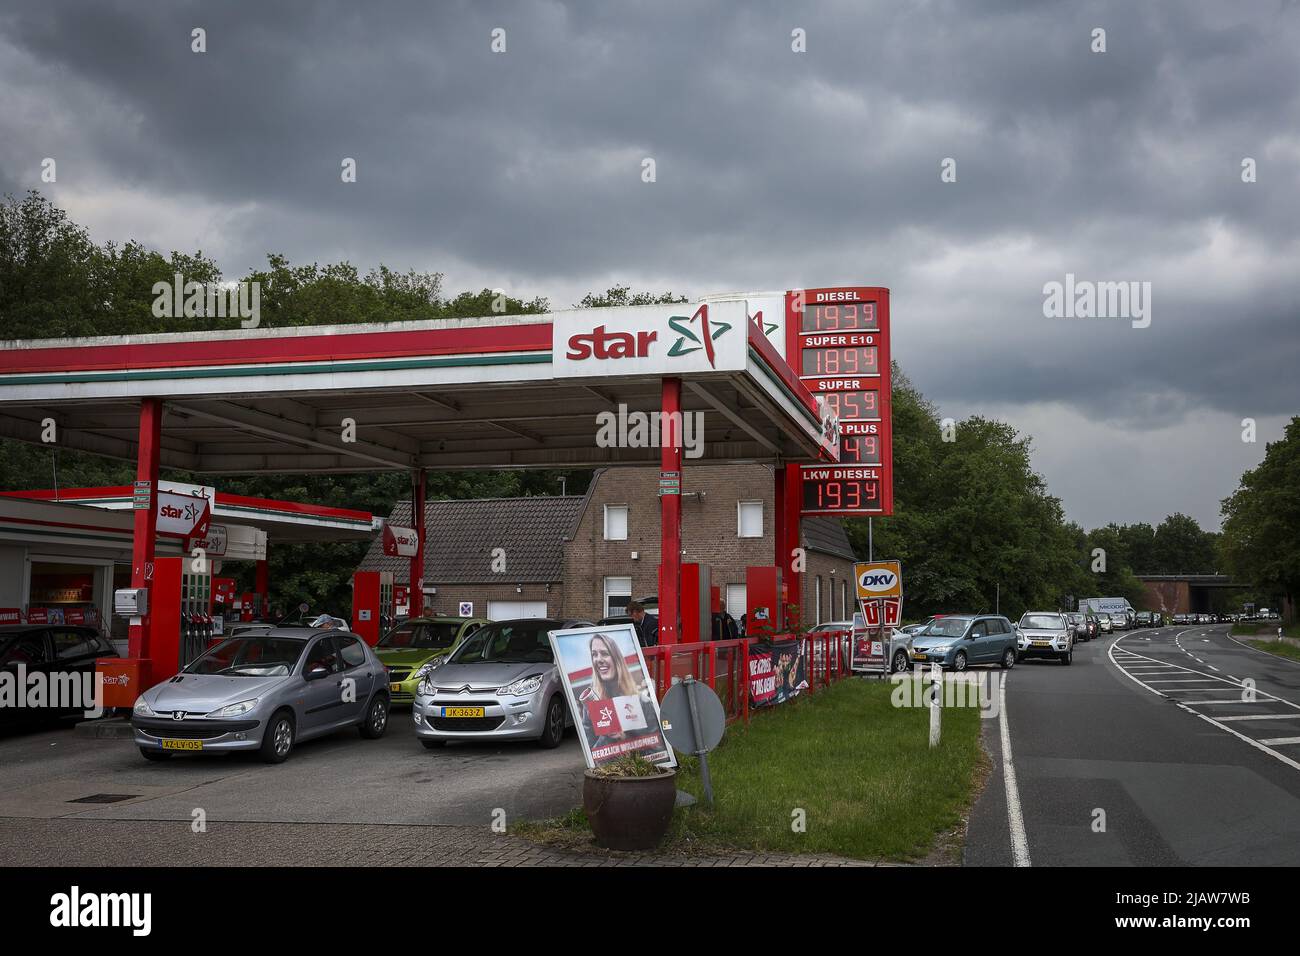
[776, 672]
[11, 615]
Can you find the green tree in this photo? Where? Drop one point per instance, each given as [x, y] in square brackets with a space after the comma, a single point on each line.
[623, 295]
[1181, 547]
[1261, 521]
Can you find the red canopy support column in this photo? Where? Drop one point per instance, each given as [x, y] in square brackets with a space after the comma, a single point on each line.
[787, 504]
[145, 528]
[416, 579]
[670, 510]
[263, 586]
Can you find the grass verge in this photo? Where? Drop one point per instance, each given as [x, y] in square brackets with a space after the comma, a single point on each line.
[1279, 648]
[843, 772]
[1264, 630]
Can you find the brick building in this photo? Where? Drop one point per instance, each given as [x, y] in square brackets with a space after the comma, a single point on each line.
[586, 556]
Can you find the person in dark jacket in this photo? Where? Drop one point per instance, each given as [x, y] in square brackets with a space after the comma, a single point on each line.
[647, 625]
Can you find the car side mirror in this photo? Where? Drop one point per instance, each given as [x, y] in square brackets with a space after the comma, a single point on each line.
[316, 672]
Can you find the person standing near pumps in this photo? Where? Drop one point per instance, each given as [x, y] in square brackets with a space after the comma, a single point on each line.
[647, 625]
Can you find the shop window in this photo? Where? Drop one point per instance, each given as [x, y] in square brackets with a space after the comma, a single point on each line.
[749, 519]
[615, 522]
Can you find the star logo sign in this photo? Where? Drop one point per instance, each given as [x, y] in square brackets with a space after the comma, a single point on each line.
[767, 328]
[704, 340]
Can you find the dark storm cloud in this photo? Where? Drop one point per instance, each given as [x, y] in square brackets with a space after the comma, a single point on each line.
[774, 169]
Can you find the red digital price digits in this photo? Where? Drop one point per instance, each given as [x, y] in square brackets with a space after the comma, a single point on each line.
[864, 360]
[841, 495]
[853, 406]
[839, 317]
[860, 450]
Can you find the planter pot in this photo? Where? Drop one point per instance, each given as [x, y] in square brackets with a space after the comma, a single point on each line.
[629, 813]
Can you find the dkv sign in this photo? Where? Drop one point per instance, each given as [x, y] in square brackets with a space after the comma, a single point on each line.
[654, 340]
[878, 579]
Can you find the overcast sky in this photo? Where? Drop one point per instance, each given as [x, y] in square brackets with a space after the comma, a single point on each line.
[774, 169]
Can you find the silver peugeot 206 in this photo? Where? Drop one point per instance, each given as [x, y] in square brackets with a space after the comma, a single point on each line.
[501, 682]
[265, 692]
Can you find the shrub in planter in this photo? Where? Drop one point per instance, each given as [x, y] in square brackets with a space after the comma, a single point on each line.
[629, 803]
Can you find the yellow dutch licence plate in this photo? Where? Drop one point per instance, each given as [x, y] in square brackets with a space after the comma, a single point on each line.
[1042, 643]
[395, 688]
[463, 712]
[918, 657]
[182, 745]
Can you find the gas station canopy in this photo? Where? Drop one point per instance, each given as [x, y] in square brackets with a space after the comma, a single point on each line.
[497, 392]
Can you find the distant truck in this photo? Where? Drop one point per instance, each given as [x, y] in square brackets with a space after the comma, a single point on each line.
[1105, 605]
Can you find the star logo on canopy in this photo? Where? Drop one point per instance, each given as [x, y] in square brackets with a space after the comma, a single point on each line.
[704, 340]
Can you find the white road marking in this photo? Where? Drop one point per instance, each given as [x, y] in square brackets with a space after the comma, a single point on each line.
[1262, 717]
[1220, 722]
[1015, 819]
[1277, 741]
[1193, 703]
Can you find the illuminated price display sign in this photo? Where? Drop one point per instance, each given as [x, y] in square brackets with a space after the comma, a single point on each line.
[837, 339]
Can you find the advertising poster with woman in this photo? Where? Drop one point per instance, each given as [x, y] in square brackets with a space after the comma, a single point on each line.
[611, 695]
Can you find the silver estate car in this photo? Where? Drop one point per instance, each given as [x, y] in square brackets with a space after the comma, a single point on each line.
[900, 644]
[501, 683]
[1045, 634]
[265, 692]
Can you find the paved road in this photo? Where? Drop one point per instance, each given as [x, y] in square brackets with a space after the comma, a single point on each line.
[337, 779]
[1154, 748]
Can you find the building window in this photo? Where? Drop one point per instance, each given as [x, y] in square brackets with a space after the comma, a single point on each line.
[749, 519]
[844, 600]
[817, 601]
[615, 522]
[618, 591]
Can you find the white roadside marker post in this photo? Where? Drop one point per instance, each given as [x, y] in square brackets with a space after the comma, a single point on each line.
[936, 700]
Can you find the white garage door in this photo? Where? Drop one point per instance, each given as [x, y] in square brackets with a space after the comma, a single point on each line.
[508, 610]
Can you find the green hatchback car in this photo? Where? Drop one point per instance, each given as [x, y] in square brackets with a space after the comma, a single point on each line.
[413, 648]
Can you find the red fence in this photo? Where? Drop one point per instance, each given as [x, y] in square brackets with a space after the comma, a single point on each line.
[724, 666]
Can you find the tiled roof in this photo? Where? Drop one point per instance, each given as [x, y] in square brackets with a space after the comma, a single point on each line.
[460, 537]
[826, 535]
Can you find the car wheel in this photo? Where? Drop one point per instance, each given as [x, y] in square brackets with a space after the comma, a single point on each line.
[376, 722]
[959, 661]
[148, 753]
[1008, 658]
[553, 727]
[431, 743]
[900, 662]
[277, 742]
[1068, 656]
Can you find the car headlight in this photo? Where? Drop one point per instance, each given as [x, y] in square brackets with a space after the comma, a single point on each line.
[142, 708]
[235, 710]
[522, 687]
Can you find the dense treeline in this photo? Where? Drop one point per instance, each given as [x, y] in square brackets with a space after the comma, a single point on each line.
[975, 525]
